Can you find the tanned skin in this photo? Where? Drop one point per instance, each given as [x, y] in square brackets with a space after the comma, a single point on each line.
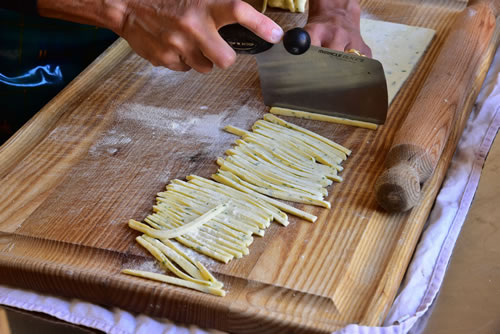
[183, 34]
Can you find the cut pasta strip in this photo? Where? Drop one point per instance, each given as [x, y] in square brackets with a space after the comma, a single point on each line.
[323, 118]
[166, 262]
[318, 155]
[264, 183]
[185, 264]
[200, 248]
[243, 210]
[176, 281]
[277, 180]
[306, 140]
[272, 155]
[286, 149]
[271, 163]
[279, 176]
[269, 189]
[207, 275]
[283, 206]
[217, 243]
[245, 221]
[224, 239]
[283, 154]
[276, 194]
[191, 242]
[220, 231]
[287, 152]
[169, 234]
[277, 120]
[280, 216]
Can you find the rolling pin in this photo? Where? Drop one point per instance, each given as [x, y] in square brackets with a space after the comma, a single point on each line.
[418, 144]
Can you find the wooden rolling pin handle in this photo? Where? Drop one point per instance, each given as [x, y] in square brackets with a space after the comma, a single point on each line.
[398, 187]
[418, 144]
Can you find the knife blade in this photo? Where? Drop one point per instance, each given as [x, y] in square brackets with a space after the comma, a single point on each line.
[319, 80]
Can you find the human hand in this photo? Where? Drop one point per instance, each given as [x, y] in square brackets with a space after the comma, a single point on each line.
[182, 35]
[334, 24]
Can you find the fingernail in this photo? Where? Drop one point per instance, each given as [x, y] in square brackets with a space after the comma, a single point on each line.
[276, 35]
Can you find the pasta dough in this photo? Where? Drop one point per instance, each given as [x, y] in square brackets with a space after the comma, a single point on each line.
[398, 47]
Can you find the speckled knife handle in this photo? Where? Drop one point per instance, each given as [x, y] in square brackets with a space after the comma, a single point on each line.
[419, 142]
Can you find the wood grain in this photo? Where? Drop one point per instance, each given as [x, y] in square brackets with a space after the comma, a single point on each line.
[419, 142]
[96, 155]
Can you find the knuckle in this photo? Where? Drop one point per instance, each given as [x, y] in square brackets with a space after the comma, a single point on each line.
[227, 60]
[166, 59]
[338, 32]
[188, 22]
[314, 30]
[171, 41]
[236, 8]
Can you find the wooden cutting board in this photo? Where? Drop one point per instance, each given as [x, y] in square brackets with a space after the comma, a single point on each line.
[98, 153]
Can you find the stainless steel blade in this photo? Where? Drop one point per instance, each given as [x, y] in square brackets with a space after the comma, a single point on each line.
[324, 81]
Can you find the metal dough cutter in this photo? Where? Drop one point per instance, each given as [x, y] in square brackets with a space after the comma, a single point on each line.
[296, 75]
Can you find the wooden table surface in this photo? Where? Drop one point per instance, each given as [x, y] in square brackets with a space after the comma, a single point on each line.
[469, 300]
[96, 155]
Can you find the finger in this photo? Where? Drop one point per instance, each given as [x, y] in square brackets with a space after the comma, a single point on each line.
[216, 49]
[172, 61]
[338, 44]
[237, 11]
[179, 67]
[361, 47]
[188, 52]
[198, 61]
[316, 33]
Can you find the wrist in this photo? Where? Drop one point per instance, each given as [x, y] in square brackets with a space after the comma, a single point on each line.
[102, 13]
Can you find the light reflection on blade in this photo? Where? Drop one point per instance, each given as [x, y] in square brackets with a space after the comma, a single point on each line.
[324, 81]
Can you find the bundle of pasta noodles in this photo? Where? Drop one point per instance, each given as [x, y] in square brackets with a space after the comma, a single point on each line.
[275, 161]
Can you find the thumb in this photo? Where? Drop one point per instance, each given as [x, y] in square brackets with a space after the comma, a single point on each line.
[237, 11]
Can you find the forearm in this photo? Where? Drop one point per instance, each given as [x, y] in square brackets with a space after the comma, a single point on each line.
[103, 13]
[176, 34]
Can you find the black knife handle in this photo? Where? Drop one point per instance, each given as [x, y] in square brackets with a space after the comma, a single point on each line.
[243, 40]
[296, 41]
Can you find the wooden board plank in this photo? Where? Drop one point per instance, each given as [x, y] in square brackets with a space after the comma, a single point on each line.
[96, 155]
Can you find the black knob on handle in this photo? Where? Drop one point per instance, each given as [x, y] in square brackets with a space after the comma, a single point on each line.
[296, 41]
